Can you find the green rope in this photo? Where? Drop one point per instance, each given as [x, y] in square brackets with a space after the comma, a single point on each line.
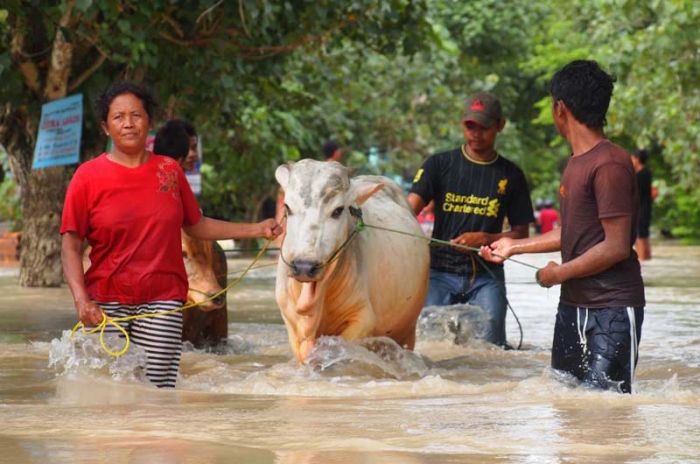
[443, 242]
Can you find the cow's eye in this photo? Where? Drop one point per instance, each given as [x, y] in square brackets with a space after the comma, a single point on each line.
[184, 254]
[287, 211]
[337, 212]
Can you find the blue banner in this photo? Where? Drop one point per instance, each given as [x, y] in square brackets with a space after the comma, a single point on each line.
[60, 130]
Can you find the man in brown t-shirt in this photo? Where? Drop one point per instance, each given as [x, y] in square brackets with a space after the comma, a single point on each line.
[601, 307]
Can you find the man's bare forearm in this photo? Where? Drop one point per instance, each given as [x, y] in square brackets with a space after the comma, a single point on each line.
[545, 243]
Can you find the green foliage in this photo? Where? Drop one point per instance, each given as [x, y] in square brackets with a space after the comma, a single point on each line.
[677, 210]
[10, 209]
[266, 82]
[653, 48]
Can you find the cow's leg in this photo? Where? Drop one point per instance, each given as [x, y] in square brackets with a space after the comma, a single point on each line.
[302, 335]
[295, 343]
[362, 325]
[409, 342]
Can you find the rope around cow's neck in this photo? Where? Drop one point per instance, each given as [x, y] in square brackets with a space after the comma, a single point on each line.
[115, 321]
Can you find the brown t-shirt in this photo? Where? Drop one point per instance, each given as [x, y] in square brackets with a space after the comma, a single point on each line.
[596, 185]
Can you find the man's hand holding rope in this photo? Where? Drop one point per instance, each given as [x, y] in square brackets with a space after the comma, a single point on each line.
[471, 239]
[503, 248]
[549, 275]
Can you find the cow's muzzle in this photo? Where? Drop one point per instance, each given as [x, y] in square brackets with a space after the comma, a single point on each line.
[305, 271]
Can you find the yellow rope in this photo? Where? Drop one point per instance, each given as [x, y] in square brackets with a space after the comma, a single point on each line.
[115, 321]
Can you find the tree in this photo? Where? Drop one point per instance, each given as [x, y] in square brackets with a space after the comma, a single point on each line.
[220, 58]
[653, 48]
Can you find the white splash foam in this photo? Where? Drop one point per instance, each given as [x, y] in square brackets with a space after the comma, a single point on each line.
[81, 354]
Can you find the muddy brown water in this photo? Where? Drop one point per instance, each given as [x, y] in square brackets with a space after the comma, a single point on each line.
[372, 402]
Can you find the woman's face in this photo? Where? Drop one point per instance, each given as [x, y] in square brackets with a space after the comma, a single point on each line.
[192, 155]
[127, 123]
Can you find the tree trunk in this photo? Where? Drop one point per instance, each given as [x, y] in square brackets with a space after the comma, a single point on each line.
[42, 190]
[42, 203]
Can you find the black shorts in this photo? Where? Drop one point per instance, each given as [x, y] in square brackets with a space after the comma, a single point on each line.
[598, 346]
[643, 222]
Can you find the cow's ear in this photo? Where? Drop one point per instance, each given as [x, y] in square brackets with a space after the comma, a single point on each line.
[366, 191]
[282, 175]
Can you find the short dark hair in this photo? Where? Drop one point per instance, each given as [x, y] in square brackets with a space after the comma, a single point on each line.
[642, 155]
[172, 140]
[329, 148]
[105, 99]
[186, 125]
[585, 89]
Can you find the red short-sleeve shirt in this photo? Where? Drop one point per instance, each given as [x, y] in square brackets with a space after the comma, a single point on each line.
[132, 218]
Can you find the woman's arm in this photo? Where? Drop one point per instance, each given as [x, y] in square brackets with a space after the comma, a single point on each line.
[71, 257]
[214, 229]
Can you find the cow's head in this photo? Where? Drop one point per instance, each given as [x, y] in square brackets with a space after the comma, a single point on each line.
[199, 262]
[318, 197]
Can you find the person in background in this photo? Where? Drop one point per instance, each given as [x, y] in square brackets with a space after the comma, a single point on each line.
[171, 142]
[174, 141]
[548, 217]
[646, 197]
[130, 205]
[475, 190]
[601, 306]
[193, 153]
[539, 204]
[426, 218]
[332, 151]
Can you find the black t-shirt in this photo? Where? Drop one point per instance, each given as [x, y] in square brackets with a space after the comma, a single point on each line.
[470, 196]
[644, 186]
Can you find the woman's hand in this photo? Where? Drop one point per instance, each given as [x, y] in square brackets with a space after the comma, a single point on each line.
[269, 229]
[88, 312]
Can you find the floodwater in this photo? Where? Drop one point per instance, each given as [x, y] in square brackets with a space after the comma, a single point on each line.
[65, 401]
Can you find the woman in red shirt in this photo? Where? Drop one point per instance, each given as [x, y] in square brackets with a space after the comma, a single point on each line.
[130, 204]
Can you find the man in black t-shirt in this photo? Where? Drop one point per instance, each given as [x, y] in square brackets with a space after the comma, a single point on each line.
[474, 189]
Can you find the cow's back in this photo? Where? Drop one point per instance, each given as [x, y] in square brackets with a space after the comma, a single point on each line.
[396, 265]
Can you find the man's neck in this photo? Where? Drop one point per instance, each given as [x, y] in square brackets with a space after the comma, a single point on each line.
[582, 138]
[483, 156]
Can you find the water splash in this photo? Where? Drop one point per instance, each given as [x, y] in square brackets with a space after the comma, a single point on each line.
[460, 323]
[379, 357]
[83, 354]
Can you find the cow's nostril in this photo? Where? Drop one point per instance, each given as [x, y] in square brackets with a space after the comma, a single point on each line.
[219, 300]
[305, 268]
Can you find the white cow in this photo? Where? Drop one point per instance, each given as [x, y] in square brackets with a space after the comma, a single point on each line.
[330, 282]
